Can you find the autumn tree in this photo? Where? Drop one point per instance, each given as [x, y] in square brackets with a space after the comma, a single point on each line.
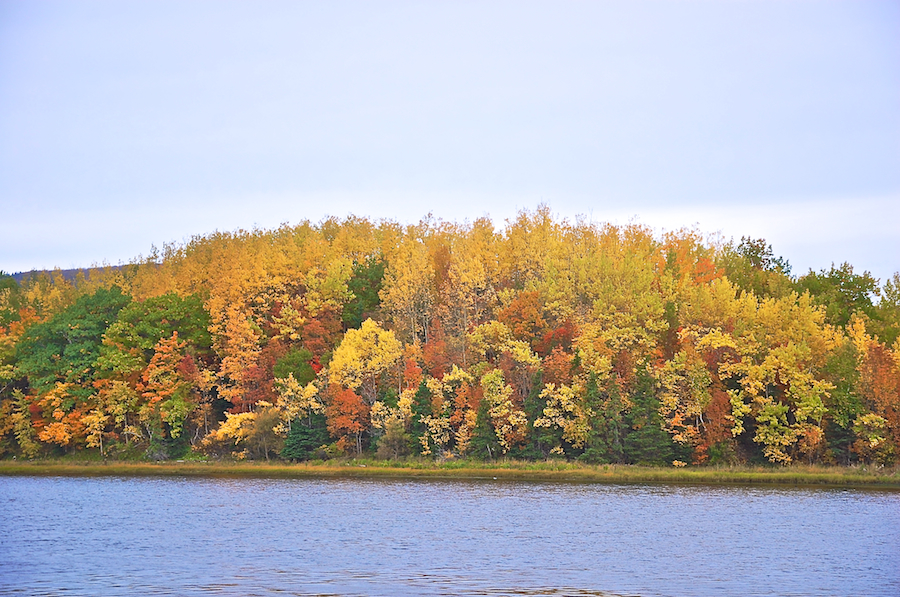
[525, 319]
[167, 386]
[540, 337]
[240, 348]
[348, 419]
[301, 405]
[364, 358]
[780, 384]
[407, 294]
[129, 343]
[878, 385]
[57, 357]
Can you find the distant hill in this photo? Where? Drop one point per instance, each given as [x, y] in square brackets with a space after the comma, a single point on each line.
[68, 274]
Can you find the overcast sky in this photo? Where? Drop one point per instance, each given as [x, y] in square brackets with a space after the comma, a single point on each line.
[128, 124]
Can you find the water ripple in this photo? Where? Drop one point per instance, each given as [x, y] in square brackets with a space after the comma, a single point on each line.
[117, 536]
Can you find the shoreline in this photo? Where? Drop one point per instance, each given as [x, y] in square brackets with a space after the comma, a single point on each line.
[796, 476]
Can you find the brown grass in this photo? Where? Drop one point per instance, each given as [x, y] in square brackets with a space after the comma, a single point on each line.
[557, 471]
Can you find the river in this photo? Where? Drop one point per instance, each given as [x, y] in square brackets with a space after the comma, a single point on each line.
[165, 536]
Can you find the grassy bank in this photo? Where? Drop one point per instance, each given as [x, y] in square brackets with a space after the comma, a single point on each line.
[798, 476]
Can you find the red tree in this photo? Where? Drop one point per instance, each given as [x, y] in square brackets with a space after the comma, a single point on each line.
[348, 417]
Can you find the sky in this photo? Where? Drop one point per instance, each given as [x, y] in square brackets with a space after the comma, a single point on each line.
[125, 125]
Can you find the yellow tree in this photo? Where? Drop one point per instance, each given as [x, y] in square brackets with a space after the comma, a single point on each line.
[782, 351]
[47, 293]
[240, 348]
[527, 250]
[297, 401]
[509, 422]
[229, 435]
[454, 412]
[120, 402]
[328, 288]
[565, 411]
[492, 343]
[95, 425]
[23, 425]
[471, 293]
[407, 295]
[64, 426]
[363, 358]
[685, 383]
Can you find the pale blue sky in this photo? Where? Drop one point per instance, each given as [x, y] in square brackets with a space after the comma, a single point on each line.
[127, 124]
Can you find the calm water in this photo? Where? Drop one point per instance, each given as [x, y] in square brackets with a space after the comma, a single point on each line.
[117, 536]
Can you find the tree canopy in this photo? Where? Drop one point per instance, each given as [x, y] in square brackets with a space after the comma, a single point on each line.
[541, 339]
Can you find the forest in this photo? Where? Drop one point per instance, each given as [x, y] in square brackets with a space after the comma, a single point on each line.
[541, 339]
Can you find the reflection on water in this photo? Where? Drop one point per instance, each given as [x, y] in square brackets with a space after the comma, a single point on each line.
[115, 536]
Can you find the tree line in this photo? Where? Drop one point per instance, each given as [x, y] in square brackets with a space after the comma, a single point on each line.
[542, 339]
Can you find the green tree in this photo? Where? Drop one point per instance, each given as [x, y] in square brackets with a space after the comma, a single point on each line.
[65, 348]
[841, 292]
[843, 402]
[646, 442]
[484, 444]
[365, 284]
[129, 343]
[306, 437]
[606, 409]
[296, 362]
[752, 267]
[886, 321]
[9, 299]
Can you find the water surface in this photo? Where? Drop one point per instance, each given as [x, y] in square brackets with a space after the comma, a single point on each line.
[164, 536]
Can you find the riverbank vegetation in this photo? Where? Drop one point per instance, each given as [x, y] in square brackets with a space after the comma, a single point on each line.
[864, 477]
[579, 342]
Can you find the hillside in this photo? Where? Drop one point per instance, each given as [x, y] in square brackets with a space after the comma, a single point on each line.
[543, 339]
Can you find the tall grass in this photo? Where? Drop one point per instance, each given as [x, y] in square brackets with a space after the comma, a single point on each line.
[551, 470]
